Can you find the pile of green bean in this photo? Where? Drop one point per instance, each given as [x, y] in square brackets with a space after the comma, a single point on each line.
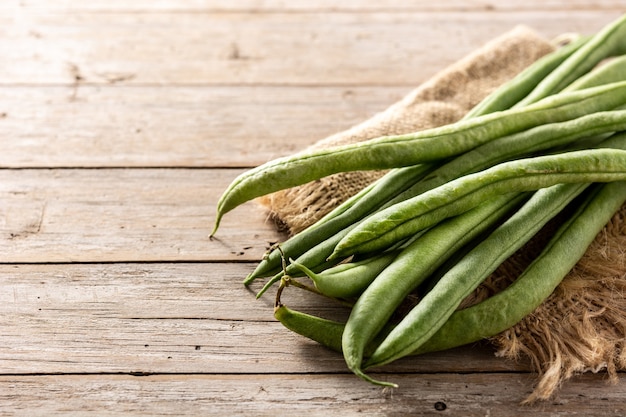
[457, 202]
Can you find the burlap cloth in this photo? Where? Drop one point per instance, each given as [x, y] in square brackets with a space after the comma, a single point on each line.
[582, 326]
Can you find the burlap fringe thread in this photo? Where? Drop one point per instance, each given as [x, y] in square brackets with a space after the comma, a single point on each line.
[581, 327]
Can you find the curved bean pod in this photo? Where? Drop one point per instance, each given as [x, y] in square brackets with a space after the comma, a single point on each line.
[457, 196]
[437, 306]
[424, 146]
[414, 264]
[375, 195]
[609, 41]
[501, 311]
[324, 331]
[523, 83]
[348, 280]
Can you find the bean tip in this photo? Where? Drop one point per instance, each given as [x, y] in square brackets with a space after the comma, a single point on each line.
[215, 226]
[358, 372]
[248, 280]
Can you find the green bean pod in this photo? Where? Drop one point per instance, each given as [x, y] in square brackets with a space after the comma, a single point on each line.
[609, 41]
[610, 72]
[457, 196]
[523, 83]
[414, 264]
[425, 146]
[324, 331]
[437, 305]
[348, 280]
[314, 258]
[506, 308]
[345, 215]
[391, 188]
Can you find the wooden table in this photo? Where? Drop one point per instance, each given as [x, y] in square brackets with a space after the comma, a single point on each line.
[120, 125]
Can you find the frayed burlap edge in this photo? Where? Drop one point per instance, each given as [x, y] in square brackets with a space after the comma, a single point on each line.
[581, 327]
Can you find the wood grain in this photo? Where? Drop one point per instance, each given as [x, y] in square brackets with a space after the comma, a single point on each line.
[473, 395]
[170, 318]
[147, 214]
[248, 48]
[120, 125]
[200, 126]
[354, 6]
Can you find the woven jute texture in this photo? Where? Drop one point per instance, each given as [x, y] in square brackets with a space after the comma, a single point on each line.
[581, 327]
[443, 99]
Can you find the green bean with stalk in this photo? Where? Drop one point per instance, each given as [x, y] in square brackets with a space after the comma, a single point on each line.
[348, 280]
[503, 310]
[509, 147]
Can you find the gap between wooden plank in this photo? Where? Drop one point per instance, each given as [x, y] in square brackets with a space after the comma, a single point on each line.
[175, 127]
[475, 395]
[295, 49]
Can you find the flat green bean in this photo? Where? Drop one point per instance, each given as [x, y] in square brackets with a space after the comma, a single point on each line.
[408, 217]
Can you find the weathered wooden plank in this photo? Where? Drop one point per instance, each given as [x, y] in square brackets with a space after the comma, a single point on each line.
[251, 48]
[147, 291]
[200, 126]
[172, 318]
[474, 395]
[319, 5]
[125, 215]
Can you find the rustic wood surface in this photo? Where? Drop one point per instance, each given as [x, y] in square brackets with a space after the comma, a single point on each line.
[120, 125]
